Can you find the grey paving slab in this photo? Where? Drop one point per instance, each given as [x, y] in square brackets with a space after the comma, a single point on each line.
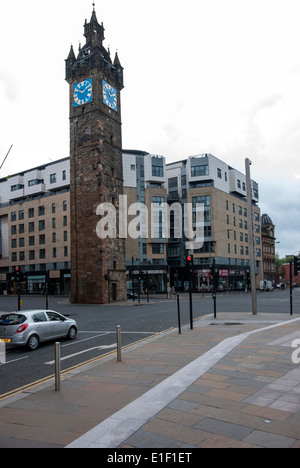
[234, 431]
[268, 440]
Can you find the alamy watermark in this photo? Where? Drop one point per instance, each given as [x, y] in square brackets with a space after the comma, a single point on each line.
[296, 353]
[2, 352]
[158, 221]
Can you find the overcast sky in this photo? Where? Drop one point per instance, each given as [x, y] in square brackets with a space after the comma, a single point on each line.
[201, 76]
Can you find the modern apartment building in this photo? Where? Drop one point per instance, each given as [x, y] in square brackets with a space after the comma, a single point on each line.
[35, 223]
[222, 189]
[145, 187]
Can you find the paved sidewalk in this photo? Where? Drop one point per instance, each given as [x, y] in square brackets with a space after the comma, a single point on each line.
[229, 382]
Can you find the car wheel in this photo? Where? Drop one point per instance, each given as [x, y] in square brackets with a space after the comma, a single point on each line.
[33, 342]
[72, 333]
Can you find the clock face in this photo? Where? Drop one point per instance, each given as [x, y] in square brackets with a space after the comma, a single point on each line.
[109, 95]
[83, 92]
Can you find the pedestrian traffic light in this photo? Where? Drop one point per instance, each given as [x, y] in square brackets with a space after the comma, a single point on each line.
[296, 265]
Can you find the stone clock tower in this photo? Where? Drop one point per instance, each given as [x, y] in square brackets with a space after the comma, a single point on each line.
[98, 273]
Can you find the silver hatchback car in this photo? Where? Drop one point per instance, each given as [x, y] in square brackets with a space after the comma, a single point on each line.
[30, 327]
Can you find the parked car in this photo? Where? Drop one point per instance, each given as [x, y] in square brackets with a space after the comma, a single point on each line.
[132, 294]
[29, 328]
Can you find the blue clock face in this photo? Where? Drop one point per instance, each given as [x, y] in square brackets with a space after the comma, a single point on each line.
[83, 92]
[109, 95]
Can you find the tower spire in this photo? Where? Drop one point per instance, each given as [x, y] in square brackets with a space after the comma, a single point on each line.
[93, 31]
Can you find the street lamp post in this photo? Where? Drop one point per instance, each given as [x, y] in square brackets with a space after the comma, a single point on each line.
[251, 239]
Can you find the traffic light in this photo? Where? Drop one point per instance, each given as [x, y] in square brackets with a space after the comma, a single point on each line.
[189, 263]
[212, 269]
[296, 265]
[214, 274]
[17, 271]
[20, 276]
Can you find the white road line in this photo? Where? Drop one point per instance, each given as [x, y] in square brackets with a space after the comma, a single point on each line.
[15, 360]
[114, 345]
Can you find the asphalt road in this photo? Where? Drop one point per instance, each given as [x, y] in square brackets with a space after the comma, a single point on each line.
[97, 328]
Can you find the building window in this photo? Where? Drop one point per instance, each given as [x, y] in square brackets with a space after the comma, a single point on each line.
[65, 251]
[41, 225]
[14, 243]
[199, 170]
[65, 236]
[157, 248]
[173, 182]
[52, 178]
[205, 200]
[21, 214]
[31, 254]
[53, 208]
[64, 175]
[53, 223]
[21, 228]
[42, 239]
[41, 210]
[31, 240]
[65, 221]
[219, 173]
[42, 253]
[13, 216]
[30, 212]
[65, 206]
[157, 171]
[31, 227]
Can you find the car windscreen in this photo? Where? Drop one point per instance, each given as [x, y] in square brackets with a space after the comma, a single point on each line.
[12, 319]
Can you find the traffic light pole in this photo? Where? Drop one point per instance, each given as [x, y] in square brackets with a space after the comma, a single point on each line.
[19, 294]
[191, 300]
[250, 234]
[189, 259]
[291, 288]
[214, 287]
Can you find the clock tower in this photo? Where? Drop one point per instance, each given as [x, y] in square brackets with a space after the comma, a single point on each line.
[98, 273]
